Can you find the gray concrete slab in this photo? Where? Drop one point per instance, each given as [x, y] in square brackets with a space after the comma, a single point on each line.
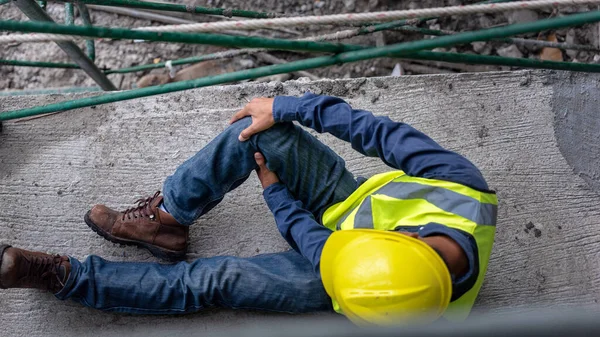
[533, 134]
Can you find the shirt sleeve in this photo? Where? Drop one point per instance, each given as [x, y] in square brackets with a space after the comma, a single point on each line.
[463, 284]
[399, 145]
[297, 225]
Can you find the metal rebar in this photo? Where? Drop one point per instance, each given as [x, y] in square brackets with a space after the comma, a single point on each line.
[35, 12]
[90, 46]
[177, 8]
[38, 64]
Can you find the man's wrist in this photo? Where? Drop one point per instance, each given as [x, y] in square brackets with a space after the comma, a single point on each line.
[285, 108]
[277, 194]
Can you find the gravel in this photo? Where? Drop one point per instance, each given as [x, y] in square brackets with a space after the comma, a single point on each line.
[118, 54]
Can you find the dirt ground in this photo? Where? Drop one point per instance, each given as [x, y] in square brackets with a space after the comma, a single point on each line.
[125, 53]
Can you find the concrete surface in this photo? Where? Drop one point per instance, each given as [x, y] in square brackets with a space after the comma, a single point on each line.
[533, 134]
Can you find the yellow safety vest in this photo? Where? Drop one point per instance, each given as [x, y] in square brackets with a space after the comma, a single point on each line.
[393, 199]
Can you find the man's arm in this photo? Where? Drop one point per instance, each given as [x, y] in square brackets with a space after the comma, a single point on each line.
[297, 225]
[399, 145]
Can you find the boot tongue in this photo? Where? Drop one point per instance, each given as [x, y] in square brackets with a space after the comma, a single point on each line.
[156, 202]
[64, 270]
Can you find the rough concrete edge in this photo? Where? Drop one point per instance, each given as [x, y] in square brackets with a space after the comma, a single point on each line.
[575, 107]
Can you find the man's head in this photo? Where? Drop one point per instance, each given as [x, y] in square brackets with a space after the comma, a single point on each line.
[382, 277]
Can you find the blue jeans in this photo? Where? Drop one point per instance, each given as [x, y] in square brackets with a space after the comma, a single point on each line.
[283, 282]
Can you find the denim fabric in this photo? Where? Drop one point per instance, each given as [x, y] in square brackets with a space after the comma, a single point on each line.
[312, 172]
[283, 282]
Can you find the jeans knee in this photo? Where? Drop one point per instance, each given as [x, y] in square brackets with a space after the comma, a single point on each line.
[236, 128]
[277, 137]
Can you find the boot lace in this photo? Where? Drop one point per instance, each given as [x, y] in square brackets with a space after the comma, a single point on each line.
[142, 209]
[45, 271]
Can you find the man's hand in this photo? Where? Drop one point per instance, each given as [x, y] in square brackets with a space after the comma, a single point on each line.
[266, 177]
[261, 111]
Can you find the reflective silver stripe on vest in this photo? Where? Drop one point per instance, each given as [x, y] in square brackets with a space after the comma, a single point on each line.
[480, 213]
[363, 218]
[364, 215]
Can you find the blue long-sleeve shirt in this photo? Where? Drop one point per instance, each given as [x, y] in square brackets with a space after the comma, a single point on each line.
[398, 144]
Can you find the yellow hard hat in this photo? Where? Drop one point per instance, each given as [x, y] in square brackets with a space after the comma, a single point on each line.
[385, 278]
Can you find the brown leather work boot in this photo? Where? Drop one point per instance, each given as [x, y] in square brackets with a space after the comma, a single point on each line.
[144, 226]
[21, 268]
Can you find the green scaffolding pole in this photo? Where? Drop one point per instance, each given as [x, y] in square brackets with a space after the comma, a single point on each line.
[362, 31]
[408, 49]
[431, 56]
[69, 14]
[177, 8]
[90, 46]
[257, 42]
[195, 38]
[38, 64]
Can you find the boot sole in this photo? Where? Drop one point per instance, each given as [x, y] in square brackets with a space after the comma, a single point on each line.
[161, 253]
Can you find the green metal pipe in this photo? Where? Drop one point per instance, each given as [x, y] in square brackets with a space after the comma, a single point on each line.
[196, 38]
[172, 87]
[90, 46]
[69, 14]
[409, 49]
[362, 31]
[177, 8]
[38, 64]
[517, 41]
[195, 59]
[423, 55]
[504, 61]
[43, 5]
[257, 42]
[3, 2]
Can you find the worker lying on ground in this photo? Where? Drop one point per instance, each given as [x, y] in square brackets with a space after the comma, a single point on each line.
[402, 246]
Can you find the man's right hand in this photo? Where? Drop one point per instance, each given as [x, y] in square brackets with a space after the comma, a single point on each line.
[266, 176]
[261, 111]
